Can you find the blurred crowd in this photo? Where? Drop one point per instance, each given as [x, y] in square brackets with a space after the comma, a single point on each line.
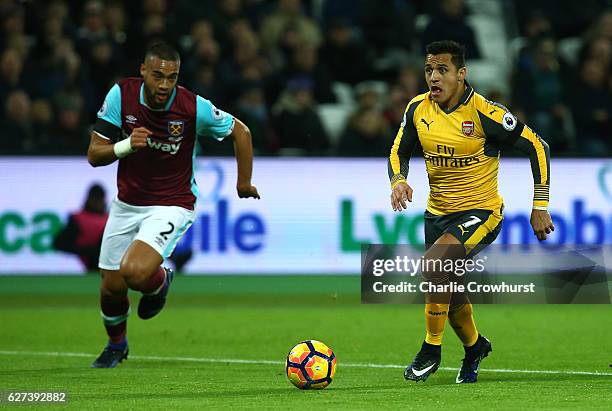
[326, 77]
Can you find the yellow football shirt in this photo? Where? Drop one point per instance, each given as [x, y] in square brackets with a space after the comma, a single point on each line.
[461, 148]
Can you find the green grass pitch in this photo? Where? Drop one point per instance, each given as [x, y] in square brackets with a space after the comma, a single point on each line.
[221, 342]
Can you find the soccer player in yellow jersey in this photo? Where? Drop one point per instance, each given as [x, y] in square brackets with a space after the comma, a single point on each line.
[461, 134]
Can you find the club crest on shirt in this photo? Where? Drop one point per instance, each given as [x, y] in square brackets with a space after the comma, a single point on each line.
[467, 127]
[176, 128]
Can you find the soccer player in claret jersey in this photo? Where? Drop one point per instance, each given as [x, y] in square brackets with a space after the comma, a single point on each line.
[150, 124]
[461, 134]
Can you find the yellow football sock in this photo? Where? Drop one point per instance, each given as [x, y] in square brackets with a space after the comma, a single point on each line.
[461, 319]
[435, 318]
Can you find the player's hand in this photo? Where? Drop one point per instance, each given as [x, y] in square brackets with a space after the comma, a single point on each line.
[399, 195]
[541, 224]
[138, 138]
[247, 191]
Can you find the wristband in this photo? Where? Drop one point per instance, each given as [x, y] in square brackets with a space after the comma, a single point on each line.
[396, 179]
[123, 147]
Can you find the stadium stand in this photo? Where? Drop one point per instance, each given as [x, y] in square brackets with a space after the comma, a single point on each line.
[58, 58]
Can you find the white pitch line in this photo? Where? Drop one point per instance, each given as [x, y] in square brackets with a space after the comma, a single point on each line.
[270, 362]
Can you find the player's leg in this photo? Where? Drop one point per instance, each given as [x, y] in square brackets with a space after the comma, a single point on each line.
[476, 346]
[141, 266]
[461, 319]
[437, 304]
[446, 247]
[476, 229]
[115, 308]
[120, 230]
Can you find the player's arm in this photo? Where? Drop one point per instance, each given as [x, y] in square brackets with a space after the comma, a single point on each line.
[105, 142]
[505, 130]
[539, 156]
[102, 151]
[397, 167]
[243, 149]
[215, 123]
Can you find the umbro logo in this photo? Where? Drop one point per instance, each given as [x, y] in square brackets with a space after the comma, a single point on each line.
[130, 119]
[175, 139]
[426, 123]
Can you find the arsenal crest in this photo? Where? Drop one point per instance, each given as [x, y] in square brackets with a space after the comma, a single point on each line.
[176, 127]
[467, 127]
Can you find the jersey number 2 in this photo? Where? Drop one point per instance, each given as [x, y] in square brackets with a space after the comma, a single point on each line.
[164, 234]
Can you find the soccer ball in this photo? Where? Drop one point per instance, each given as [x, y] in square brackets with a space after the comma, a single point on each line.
[311, 365]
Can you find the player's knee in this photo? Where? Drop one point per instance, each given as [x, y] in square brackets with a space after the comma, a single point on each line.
[134, 272]
[435, 276]
[434, 273]
[112, 284]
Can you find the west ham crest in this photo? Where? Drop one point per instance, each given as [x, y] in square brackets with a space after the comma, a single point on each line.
[467, 127]
[176, 127]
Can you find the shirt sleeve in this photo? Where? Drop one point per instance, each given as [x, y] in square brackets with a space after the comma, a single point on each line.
[108, 125]
[211, 121]
[503, 129]
[403, 146]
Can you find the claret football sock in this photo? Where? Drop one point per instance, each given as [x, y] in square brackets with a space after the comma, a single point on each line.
[115, 311]
[461, 318]
[155, 283]
[435, 318]
[152, 303]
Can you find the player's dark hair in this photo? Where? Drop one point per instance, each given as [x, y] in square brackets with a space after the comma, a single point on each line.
[162, 50]
[456, 50]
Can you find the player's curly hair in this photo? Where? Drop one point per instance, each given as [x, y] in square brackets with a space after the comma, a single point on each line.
[456, 50]
[162, 50]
